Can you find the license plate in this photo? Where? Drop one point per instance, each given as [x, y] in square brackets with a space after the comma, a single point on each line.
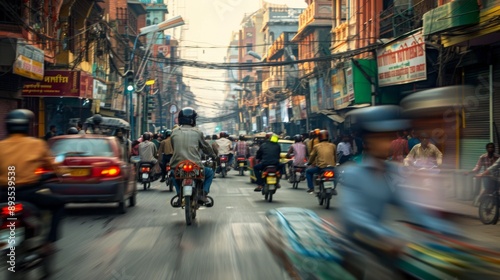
[271, 180]
[80, 172]
[145, 175]
[223, 164]
[242, 164]
[329, 184]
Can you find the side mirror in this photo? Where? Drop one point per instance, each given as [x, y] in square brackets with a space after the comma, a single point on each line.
[135, 159]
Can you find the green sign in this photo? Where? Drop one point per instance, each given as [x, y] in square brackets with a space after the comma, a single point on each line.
[454, 14]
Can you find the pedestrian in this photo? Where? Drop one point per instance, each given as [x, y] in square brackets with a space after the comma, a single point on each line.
[399, 148]
[51, 133]
[345, 149]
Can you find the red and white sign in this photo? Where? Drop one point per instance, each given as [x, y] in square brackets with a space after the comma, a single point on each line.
[402, 61]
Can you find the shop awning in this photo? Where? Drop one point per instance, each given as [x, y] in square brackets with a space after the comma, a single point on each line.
[332, 115]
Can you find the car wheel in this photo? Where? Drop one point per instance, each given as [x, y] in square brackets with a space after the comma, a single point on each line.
[122, 208]
[132, 199]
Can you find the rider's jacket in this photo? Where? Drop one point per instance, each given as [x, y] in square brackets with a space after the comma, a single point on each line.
[299, 152]
[418, 152]
[20, 157]
[148, 152]
[166, 147]
[269, 153]
[323, 155]
[225, 146]
[188, 142]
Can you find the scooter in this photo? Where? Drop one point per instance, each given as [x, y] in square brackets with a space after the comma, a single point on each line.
[271, 175]
[168, 179]
[325, 183]
[241, 165]
[224, 166]
[147, 175]
[297, 175]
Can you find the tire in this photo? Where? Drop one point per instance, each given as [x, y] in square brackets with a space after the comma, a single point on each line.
[187, 210]
[488, 210]
[270, 197]
[295, 185]
[149, 185]
[122, 208]
[242, 172]
[132, 200]
[328, 202]
[145, 186]
[223, 172]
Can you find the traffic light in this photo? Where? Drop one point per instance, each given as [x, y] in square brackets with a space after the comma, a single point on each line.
[129, 81]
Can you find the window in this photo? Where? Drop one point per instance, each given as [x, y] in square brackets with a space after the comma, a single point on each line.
[82, 147]
[249, 47]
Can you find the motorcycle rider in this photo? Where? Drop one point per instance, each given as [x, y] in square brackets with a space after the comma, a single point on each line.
[323, 155]
[242, 149]
[424, 152]
[148, 152]
[23, 155]
[225, 146]
[313, 136]
[188, 143]
[268, 154]
[369, 187]
[299, 152]
[165, 152]
[72, 130]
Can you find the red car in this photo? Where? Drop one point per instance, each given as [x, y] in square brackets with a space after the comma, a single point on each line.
[95, 170]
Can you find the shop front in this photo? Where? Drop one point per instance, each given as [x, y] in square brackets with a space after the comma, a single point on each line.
[63, 97]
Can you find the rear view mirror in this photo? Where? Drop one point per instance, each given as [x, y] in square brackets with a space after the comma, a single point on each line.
[135, 159]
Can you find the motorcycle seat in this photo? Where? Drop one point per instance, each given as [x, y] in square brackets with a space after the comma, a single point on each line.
[271, 168]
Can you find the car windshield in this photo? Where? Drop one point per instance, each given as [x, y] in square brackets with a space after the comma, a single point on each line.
[82, 147]
[285, 147]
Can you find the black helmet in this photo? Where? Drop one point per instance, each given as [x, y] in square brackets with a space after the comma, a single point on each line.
[288, 137]
[146, 136]
[323, 135]
[18, 121]
[97, 119]
[72, 130]
[242, 137]
[297, 138]
[187, 116]
[215, 137]
[167, 133]
[382, 118]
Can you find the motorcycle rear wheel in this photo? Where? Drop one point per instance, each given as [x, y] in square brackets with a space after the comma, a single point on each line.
[488, 210]
[188, 211]
[327, 200]
[242, 172]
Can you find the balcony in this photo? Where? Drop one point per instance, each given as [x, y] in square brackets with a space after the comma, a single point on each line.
[317, 14]
[273, 83]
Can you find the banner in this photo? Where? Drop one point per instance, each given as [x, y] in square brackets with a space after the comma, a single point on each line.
[313, 94]
[402, 61]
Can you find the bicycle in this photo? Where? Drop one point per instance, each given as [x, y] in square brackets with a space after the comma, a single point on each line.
[489, 207]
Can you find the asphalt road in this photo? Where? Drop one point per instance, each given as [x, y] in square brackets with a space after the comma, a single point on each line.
[152, 241]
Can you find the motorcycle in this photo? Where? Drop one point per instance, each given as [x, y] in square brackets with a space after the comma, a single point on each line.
[224, 166]
[23, 231]
[241, 165]
[325, 183]
[298, 174]
[147, 174]
[190, 178]
[302, 237]
[168, 179]
[271, 175]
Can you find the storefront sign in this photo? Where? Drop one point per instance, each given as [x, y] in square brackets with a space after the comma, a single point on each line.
[100, 90]
[272, 113]
[448, 16]
[349, 82]
[340, 97]
[29, 62]
[402, 61]
[118, 102]
[61, 83]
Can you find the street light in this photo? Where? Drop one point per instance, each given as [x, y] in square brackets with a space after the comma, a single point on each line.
[154, 29]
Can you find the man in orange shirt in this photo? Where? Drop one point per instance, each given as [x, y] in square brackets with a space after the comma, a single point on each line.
[22, 156]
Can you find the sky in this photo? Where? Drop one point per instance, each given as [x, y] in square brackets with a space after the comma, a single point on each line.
[205, 37]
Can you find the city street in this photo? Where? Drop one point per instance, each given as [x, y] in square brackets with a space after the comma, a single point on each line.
[152, 241]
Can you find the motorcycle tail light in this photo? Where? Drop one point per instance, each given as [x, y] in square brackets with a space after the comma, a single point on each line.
[187, 167]
[241, 158]
[328, 174]
[41, 171]
[145, 169]
[264, 174]
[13, 210]
[168, 167]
